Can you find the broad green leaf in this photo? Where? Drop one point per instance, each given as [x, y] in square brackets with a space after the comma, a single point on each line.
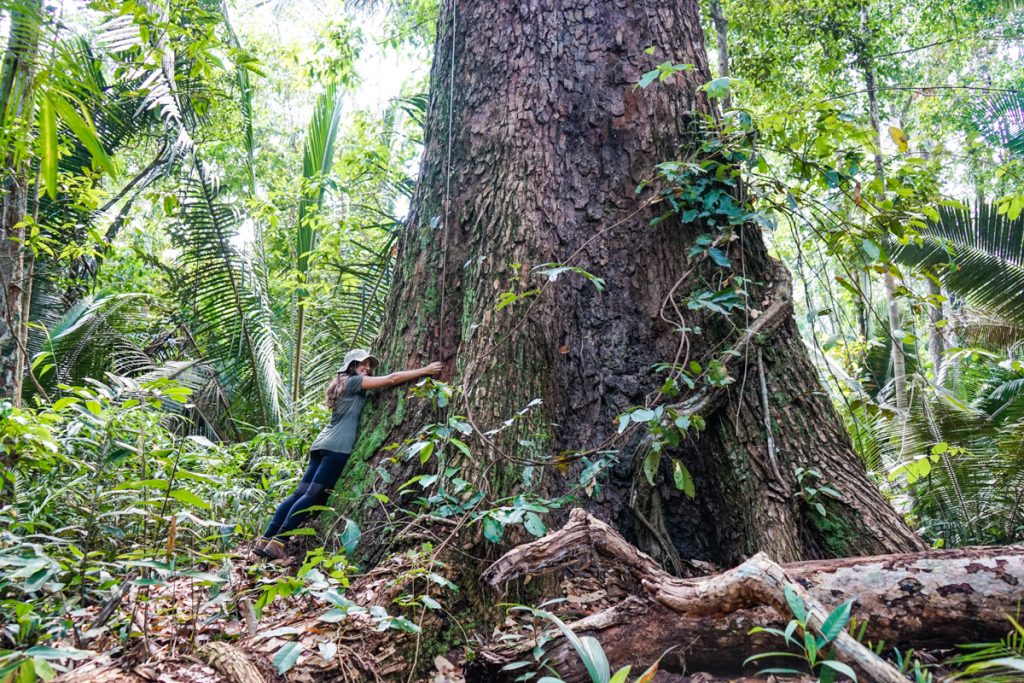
[43, 669]
[648, 78]
[84, 131]
[642, 415]
[1015, 663]
[590, 651]
[719, 257]
[843, 668]
[493, 530]
[534, 524]
[796, 604]
[48, 146]
[682, 478]
[718, 88]
[62, 403]
[58, 652]
[836, 621]
[350, 536]
[186, 496]
[651, 462]
[871, 249]
[286, 657]
[621, 675]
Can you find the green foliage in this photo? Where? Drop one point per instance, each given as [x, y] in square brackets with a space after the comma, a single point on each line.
[589, 650]
[228, 311]
[978, 255]
[812, 492]
[813, 646]
[102, 491]
[998, 662]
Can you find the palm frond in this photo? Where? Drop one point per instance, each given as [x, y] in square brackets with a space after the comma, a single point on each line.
[977, 255]
[317, 156]
[963, 465]
[228, 311]
[354, 312]
[986, 329]
[1000, 119]
[244, 102]
[92, 333]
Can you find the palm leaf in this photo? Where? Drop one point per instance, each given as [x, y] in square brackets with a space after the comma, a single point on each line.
[1000, 119]
[978, 256]
[244, 103]
[317, 157]
[86, 340]
[228, 311]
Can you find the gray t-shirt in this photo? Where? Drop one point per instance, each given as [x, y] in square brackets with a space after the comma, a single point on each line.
[340, 433]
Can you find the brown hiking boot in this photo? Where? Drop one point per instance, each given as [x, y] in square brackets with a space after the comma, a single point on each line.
[274, 549]
[258, 545]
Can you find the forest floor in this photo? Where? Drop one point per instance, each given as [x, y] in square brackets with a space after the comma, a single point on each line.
[176, 621]
[191, 630]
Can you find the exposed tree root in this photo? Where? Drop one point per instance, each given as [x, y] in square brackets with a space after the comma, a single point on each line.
[912, 600]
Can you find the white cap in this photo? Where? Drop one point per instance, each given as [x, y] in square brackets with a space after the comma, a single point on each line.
[357, 356]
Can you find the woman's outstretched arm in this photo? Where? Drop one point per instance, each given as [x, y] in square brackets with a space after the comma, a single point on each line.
[396, 378]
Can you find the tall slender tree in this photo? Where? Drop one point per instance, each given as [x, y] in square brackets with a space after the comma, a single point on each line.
[17, 92]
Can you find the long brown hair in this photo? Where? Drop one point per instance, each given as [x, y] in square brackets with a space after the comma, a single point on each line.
[336, 388]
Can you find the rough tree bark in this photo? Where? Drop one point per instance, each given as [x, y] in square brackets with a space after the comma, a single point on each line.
[536, 140]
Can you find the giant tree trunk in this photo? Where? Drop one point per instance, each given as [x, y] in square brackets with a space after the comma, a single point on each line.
[16, 109]
[536, 140]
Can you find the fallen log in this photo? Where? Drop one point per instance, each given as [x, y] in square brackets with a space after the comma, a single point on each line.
[921, 600]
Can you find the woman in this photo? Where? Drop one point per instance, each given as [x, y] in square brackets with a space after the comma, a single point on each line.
[346, 395]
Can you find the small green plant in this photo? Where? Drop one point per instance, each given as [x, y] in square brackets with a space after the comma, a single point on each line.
[910, 665]
[812, 648]
[812, 491]
[667, 428]
[905, 661]
[587, 648]
[998, 662]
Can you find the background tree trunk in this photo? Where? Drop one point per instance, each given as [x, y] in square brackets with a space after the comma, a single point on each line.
[536, 139]
[16, 109]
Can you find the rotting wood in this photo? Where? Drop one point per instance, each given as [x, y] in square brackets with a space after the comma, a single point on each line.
[230, 662]
[924, 599]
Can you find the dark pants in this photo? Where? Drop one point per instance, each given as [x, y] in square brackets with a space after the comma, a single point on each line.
[324, 469]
